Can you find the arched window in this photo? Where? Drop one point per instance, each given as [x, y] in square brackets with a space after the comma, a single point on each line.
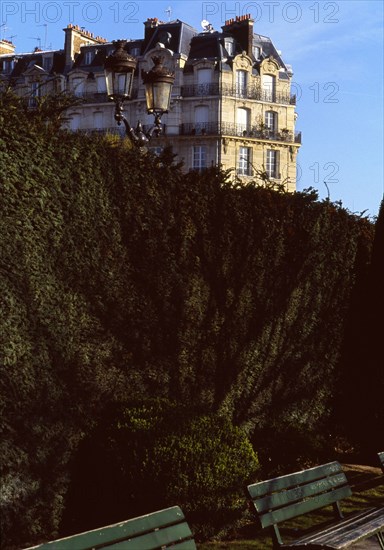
[241, 83]
[78, 86]
[242, 120]
[269, 87]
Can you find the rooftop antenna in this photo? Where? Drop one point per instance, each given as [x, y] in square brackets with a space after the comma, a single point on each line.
[10, 38]
[169, 12]
[36, 38]
[45, 34]
[3, 27]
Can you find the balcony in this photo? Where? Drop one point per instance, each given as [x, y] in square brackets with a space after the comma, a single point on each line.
[239, 130]
[213, 89]
[99, 97]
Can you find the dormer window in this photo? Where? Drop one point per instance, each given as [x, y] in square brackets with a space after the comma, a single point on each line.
[88, 58]
[230, 47]
[47, 63]
[8, 65]
[256, 50]
[135, 52]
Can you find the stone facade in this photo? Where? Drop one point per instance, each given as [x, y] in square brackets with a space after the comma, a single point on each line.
[231, 102]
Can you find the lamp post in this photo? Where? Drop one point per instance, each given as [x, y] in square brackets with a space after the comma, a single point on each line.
[119, 69]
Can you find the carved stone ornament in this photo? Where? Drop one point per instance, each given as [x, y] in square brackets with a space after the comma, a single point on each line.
[242, 61]
[270, 65]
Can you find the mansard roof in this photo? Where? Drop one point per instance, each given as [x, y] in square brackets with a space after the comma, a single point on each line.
[175, 35]
[24, 62]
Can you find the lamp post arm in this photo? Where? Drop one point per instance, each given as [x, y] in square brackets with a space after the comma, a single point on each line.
[137, 136]
[156, 129]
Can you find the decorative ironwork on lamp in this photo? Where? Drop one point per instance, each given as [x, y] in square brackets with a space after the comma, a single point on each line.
[119, 71]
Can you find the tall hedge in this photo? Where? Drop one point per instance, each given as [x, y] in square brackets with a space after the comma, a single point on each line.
[123, 278]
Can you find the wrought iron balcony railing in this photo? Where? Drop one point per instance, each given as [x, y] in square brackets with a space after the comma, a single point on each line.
[213, 89]
[99, 97]
[240, 130]
[212, 129]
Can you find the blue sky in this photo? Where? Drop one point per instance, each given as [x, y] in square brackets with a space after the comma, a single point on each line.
[335, 49]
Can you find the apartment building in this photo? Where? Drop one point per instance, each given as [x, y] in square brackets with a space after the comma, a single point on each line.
[231, 102]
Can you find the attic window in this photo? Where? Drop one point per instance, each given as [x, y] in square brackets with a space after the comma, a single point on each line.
[256, 50]
[8, 65]
[88, 58]
[230, 47]
[47, 63]
[135, 51]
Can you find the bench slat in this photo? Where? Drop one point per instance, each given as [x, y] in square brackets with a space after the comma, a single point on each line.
[184, 545]
[299, 508]
[155, 539]
[116, 532]
[292, 480]
[346, 532]
[313, 488]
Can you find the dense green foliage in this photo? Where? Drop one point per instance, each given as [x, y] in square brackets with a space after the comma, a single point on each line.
[123, 279]
[363, 354]
[158, 454]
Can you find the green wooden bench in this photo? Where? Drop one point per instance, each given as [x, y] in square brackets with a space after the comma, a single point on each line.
[293, 495]
[159, 530]
[381, 460]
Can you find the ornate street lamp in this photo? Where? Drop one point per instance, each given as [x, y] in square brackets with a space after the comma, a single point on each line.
[119, 70]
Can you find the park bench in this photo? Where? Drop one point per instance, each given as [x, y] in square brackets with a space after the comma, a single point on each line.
[381, 460]
[159, 530]
[290, 496]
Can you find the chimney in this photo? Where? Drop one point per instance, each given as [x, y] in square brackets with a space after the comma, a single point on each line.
[241, 29]
[150, 26]
[7, 47]
[75, 37]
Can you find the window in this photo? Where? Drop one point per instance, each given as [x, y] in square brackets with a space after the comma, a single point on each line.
[241, 83]
[256, 50]
[8, 65]
[271, 120]
[230, 47]
[271, 164]
[244, 164]
[100, 82]
[35, 89]
[47, 63]
[269, 87]
[77, 86]
[135, 51]
[74, 122]
[199, 157]
[204, 79]
[201, 119]
[88, 58]
[97, 120]
[242, 120]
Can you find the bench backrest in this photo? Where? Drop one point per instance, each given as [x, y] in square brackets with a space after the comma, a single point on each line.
[381, 459]
[162, 529]
[293, 495]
